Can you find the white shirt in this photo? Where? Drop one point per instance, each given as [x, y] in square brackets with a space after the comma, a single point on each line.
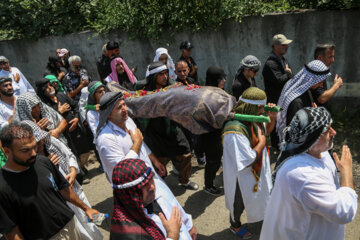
[6, 111]
[166, 200]
[307, 201]
[20, 87]
[237, 155]
[114, 145]
[92, 118]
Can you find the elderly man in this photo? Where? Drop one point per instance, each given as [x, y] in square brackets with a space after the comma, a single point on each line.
[326, 54]
[276, 73]
[247, 174]
[186, 48]
[182, 72]
[297, 92]
[19, 82]
[33, 193]
[164, 137]
[307, 201]
[119, 139]
[154, 211]
[76, 79]
[7, 101]
[245, 76]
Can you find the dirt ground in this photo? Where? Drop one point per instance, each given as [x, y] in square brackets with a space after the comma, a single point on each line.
[210, 216]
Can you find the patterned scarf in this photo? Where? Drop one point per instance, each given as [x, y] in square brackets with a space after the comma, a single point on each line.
[52, 145]
[114, 75]
[313, 73]
[129, 219]
[27, 101]
[303, 132]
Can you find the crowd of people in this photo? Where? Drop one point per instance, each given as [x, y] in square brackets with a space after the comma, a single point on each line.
[49, 128]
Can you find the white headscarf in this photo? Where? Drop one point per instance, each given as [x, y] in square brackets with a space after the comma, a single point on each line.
[313, 73]
[170, 63]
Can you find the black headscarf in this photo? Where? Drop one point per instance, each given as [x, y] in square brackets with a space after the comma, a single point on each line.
[214, 75]
[52, 65]
[40, 89]
[5, 79]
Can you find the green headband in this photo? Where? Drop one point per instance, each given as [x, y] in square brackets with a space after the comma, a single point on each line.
[96, 85]
[51, 78]
[251, 118]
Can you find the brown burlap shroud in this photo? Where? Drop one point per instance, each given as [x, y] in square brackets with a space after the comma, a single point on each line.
[200, 110]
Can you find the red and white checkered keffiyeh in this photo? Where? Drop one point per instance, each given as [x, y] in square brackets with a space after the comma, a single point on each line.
[129, 219]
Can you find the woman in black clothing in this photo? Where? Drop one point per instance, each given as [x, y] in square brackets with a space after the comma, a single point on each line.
[55, 68]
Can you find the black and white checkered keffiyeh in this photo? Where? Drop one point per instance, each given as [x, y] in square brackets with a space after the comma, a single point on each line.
[303, 132]
[313, 73]
[24, 104]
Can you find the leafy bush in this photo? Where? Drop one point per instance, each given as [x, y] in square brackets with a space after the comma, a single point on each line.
[33, 19]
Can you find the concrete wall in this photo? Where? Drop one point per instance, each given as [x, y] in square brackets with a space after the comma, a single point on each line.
[224, 48]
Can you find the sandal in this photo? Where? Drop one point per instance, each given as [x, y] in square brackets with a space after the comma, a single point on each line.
[242, 232]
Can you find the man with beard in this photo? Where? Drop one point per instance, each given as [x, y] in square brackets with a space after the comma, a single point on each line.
[139, 208]
[163, 136]
[33, 193]
[19, 81]
[308, 201]
[76, 79]
[7, 101]
[121, 74]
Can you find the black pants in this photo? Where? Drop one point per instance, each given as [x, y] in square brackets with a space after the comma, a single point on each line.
[238, 207]
[211, 144]
[274, 139]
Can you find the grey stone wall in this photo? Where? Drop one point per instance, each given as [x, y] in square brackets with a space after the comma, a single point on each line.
[224, 48]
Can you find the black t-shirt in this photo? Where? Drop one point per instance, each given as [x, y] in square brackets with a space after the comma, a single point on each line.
[318, 92]
[298, 103]
[189, 81]
[32, 201]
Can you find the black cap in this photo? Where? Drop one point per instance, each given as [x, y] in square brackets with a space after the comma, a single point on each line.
[112, 45]
[186, 45]
[5, 79]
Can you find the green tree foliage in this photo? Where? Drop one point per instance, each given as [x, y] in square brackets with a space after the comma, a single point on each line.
[33, 19]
